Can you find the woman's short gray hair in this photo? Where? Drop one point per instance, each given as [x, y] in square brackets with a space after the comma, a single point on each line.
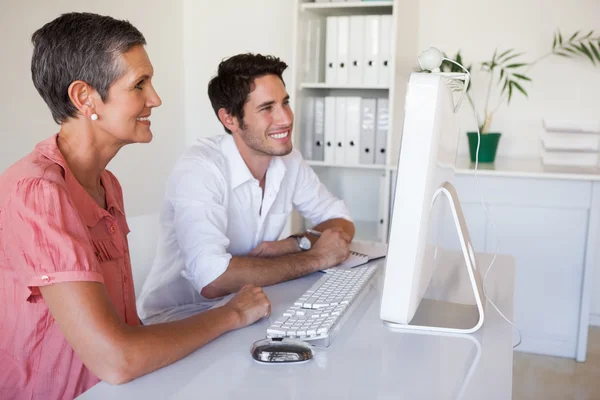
[79, 46]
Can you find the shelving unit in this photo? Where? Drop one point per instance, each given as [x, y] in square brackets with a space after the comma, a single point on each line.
[366, 188]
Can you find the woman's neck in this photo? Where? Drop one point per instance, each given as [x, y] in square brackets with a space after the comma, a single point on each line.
[86, 156]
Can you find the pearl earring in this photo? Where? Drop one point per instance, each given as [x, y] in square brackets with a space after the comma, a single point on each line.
[94, 116]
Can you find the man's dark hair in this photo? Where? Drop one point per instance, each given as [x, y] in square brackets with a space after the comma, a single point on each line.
[234, 82]
[79, 46]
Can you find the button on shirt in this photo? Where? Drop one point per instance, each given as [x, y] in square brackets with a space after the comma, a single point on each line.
[52, 231]
[215, 209]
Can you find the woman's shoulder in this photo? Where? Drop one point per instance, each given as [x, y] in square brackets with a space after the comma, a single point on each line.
[29, 170]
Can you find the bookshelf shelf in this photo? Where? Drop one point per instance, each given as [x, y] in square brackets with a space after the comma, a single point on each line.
[321, 85]
[376, 167]
[349, 6]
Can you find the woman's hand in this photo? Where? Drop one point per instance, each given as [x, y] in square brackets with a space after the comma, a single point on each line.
[250, 304]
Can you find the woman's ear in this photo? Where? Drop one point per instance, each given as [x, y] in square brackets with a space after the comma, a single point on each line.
[80, 94]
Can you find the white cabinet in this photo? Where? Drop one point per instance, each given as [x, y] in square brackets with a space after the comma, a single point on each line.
[549, 245]
[545, 225]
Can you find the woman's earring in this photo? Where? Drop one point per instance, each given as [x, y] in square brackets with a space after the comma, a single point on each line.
[94, 116]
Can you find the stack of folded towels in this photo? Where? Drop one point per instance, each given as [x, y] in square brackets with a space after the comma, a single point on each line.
[570, 143]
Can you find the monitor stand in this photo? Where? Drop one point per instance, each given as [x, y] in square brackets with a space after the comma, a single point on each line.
[445, 316]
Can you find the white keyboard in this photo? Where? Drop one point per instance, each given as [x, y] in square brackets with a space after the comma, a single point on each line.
[316, 314]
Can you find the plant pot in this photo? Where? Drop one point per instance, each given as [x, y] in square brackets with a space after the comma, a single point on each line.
[487, 148]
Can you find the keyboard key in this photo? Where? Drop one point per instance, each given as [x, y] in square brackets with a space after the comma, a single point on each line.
[276, 331]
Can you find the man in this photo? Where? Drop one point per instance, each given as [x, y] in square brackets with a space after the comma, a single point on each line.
[229, 197]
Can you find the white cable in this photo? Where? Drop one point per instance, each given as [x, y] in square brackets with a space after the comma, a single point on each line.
[495, 229]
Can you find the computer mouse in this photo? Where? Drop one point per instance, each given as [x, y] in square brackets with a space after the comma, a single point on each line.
[281, 350]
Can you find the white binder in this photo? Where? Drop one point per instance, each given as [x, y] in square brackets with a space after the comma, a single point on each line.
[385, 50]
[356, 50]
[313, 51]
[308, 124]
[340, 130]
[371, 53]
[343, 31]
[318, 51]
[352, 144]
[319, 135]
[307, 73]
[331, 50]
[330, 125]
[368, 109]
[381, 131]
[381, 232]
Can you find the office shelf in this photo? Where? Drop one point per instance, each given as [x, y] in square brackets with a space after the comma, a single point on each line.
[377, 167]
[349, 7]
[322, 85]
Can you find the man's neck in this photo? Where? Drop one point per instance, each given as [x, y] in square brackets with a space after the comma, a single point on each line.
[257, 162]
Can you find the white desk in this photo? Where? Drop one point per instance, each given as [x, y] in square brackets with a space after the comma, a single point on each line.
[365, 361]
[548, 218]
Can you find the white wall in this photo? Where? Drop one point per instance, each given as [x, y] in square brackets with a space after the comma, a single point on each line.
[219, 29]
[561, 88]
[142, 169]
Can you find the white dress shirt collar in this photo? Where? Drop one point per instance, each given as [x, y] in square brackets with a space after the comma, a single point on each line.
[240, 173]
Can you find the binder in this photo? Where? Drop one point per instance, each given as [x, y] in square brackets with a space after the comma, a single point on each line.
[371, 52]
[331, 50]
[352, 144]
[381, 131]
[356, 50]
[385, 51]
[368, 109]
[381, 232]
[308, 123]
[343, 31]
[330, 126]
[307, 75]
[319, 134]
[318, 51]
[340, 130]
[313, 51]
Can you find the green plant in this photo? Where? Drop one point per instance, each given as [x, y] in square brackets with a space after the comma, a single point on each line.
[509, 70]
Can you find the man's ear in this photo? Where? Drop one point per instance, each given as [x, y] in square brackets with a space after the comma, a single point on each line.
[229, 121]
[80, 94]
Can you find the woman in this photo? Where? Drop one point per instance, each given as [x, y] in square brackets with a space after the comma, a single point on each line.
[67, 301]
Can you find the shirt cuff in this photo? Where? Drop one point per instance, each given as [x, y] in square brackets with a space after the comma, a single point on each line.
[203, 276]
[58, 277]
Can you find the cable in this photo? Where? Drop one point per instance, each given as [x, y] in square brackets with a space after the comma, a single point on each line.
[495, 229]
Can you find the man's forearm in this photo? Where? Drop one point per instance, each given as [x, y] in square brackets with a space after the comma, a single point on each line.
[260, 271]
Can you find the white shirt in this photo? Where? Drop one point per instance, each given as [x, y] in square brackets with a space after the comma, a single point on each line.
[214, 209]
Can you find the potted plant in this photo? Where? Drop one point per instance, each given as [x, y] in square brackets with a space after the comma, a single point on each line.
[508, 70]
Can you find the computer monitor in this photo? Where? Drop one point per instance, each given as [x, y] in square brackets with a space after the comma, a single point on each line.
[423, 186]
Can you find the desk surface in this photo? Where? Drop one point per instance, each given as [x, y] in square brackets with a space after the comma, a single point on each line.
[365, 361]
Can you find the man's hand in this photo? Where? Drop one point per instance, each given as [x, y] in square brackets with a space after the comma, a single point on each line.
[333, 246]
[250, 305]
[275, 248]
